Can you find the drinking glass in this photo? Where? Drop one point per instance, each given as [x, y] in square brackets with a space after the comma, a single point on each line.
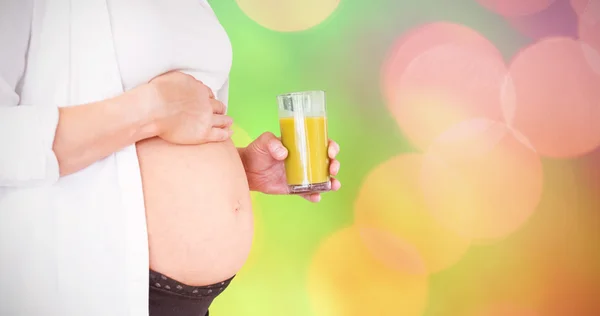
[303, 124]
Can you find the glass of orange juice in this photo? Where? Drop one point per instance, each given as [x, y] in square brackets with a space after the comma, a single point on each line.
[303, 123]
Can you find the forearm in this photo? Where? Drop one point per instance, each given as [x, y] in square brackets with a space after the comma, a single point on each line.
[88, 133]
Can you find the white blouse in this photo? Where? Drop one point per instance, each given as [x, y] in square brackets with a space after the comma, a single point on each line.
[78, 245]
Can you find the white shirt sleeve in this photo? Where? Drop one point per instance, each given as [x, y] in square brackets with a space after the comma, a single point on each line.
[223, 94]
[26, 131]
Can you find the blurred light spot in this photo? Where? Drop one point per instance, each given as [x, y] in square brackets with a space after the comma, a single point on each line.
[587, 10]
[511, 8]
[480, 180]
[571, 290]
[272, 287]
[445, 85]
[557, 98]
[589, 31]
[240, 137]
[288, 15]
[344, 279]
[589, 172]
[506, 309]
[556, 20]
[421, 39]
[395, 225]
[391, 250]
[592, 56]
[508, 100]
[249, 296]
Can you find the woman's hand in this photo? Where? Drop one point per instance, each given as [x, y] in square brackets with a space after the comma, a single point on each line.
[263, 161]
[173, 106]
[187, 112]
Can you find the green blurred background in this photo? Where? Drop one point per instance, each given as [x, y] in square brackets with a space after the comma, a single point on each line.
[549, 266]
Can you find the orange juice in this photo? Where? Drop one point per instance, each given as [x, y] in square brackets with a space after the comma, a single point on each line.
[306, 141]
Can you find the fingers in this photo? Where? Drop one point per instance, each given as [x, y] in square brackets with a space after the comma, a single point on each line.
[334, 167]
[210, 93]
[277, 150]
[333, 150]
[314, 197]
[219, 134]
[335, 184]
[218, 106]
[222, 121]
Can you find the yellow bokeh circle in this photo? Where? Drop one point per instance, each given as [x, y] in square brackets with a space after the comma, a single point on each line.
[288, 15]
[395, 224]
[482, 180]
[240, 137]
[345, 279]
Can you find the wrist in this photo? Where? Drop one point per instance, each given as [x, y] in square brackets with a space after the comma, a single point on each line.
[142, 111]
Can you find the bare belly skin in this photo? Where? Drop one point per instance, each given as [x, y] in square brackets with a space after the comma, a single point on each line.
[198, 210]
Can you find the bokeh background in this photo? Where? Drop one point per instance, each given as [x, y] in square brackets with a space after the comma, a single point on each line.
[469, 132]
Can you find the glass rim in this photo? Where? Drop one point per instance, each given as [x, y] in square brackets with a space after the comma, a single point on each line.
[297, 93]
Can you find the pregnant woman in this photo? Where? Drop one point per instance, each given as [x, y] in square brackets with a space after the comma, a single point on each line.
[121, 192]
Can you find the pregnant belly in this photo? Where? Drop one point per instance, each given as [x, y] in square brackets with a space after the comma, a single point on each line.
[198, 210]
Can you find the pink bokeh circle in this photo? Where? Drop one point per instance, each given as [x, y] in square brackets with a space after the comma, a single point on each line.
[441, 74]
[556, 97]
[513, 8]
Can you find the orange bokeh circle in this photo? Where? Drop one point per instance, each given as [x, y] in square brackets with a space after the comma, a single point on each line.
[344, 279]
[482, 180]
[556, 97]
[506, 309]
[396, 227]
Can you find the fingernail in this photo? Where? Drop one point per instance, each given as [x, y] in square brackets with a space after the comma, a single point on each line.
[280, 151]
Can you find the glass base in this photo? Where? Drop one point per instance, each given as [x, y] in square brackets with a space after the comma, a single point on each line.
[310, 188]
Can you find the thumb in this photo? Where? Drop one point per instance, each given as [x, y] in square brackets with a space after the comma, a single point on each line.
[278, 151]
[270, 144]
